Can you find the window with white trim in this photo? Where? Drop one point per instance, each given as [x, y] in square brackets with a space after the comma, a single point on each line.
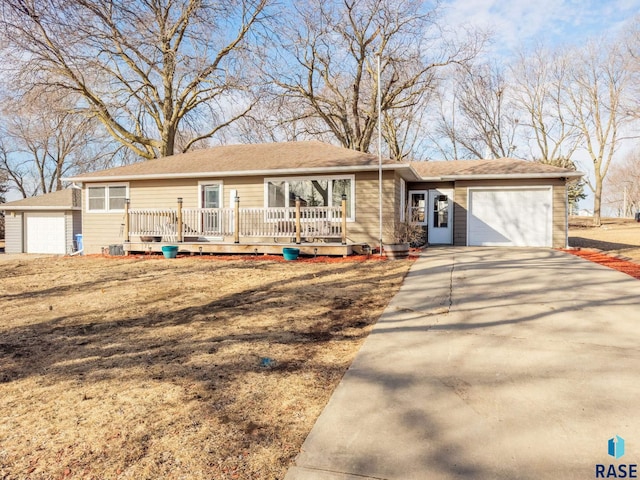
[313, 192]
[107, 198]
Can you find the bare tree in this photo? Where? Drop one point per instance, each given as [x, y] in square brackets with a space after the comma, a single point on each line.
[4, 188]
[327, 67]
[575, 186]
[623, 186]
[479, 120]
[540, 80]
[42, 142]
[160, 75]
[595, 90]
[4, 185]
[632, 47]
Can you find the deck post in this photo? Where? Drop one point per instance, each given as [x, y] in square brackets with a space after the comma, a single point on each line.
[179, 226]
[126, 220]
[343, 211]
[298, 229]
[236, 219]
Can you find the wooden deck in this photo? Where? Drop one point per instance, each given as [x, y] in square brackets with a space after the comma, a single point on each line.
[274, 248]
[248, 231]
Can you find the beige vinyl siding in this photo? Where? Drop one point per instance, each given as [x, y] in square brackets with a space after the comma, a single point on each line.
[249, 189]
[560, 233]
[460, 202]
[559, 221]
[163, 193]
[77, 221]
[101, 230]
[14, 239]
[73, 225]
[365, 228]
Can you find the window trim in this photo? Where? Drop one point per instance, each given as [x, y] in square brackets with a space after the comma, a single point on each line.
[403, 200]
[106, 187]
[329, 178]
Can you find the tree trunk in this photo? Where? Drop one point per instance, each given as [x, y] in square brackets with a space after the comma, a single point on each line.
[597, 203]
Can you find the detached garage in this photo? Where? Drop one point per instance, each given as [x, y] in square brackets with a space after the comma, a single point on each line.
[43, 224]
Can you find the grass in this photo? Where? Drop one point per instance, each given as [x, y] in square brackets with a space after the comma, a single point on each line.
[188, 368]
[615, 235]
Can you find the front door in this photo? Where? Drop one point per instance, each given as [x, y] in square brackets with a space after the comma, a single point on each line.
[210, 199]
[440, 217]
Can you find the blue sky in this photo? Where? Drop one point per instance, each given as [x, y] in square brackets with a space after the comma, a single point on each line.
[554, 22]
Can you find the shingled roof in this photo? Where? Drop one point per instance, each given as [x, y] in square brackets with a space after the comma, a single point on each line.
[251, 159]
[502, 167]
[68, 199]
[302, 158]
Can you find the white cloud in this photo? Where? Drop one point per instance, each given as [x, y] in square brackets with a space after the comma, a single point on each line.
[521, 22]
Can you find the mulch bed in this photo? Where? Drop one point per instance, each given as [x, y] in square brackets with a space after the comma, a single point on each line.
[624, 266]
[413, 255]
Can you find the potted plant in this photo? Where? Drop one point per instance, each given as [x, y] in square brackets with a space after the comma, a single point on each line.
[401, 236]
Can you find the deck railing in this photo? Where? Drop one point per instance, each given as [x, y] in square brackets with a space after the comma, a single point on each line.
[178, 224]
[207, 222]
[152, 222]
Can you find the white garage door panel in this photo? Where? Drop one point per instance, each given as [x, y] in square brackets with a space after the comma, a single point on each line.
[45, 233]
[510, 217]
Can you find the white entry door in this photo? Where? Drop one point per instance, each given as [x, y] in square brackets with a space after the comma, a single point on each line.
[211, 197]
[440, 217]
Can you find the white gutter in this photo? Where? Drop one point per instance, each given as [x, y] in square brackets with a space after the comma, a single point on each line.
[236, 173]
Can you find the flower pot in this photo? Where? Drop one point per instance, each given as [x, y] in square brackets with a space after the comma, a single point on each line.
[170, 251]
[396, 250]
[290, 253]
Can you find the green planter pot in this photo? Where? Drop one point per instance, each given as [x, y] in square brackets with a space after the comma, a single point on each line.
[170, 251]
[290, 253]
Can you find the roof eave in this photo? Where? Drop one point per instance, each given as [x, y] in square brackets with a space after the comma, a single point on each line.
[241, 173]
[512, 176]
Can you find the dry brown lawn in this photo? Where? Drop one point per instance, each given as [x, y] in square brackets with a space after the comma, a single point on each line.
[175, 369]
[617, 236]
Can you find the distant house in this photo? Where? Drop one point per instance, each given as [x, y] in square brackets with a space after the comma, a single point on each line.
[43, 224]
[243, 198]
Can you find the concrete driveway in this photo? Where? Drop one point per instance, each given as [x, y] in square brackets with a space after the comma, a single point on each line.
[489, 363]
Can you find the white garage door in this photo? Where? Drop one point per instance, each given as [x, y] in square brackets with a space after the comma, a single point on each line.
[45, 232]
[514, 217]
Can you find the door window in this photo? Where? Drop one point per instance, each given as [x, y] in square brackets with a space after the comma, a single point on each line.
[211, 196]
[441, 211]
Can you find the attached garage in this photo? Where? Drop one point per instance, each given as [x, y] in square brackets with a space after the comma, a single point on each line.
[510, 217]
[502, 202]
[44, 224]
